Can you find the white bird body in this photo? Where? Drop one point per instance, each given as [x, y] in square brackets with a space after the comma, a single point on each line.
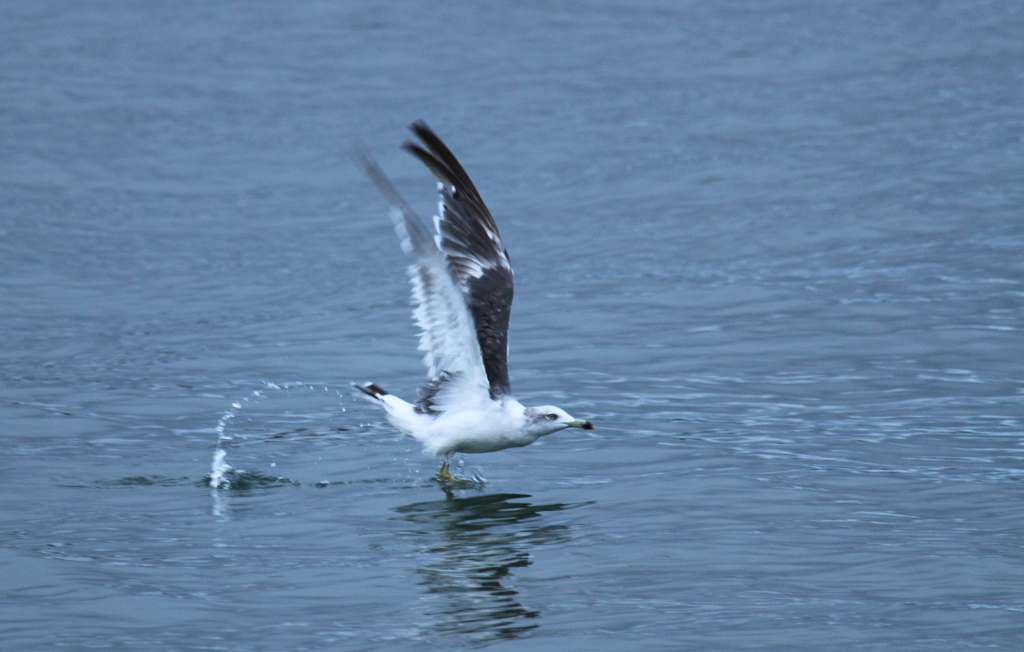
[462, 286]
[492, 428]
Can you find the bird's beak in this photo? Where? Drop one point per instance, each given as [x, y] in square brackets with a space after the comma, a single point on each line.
[580, 423]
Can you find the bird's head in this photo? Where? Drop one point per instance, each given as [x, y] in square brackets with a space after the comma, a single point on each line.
[547, 419]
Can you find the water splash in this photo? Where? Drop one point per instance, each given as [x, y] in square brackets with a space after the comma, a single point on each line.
[219, 467]
[219, 471]
[222, 474]
[476, 475]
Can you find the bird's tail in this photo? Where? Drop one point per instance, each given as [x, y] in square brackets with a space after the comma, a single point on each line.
[400, 414]
[374, 391]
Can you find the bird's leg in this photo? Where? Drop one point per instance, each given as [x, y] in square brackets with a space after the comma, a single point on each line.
[443, 474]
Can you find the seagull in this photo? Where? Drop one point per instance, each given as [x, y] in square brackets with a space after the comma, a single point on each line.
[462, 291]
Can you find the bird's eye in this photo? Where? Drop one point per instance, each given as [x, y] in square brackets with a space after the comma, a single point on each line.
[552, 416]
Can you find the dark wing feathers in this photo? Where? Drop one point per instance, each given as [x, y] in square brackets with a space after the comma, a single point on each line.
[469, 238]
[491, 306]
[447, 168]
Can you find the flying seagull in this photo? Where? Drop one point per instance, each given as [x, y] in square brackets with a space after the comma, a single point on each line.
[462, 289]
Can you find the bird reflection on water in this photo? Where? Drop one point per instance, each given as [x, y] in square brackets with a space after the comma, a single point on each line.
[470, 546]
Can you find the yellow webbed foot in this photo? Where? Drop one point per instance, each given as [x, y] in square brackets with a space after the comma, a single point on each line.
[445, 477]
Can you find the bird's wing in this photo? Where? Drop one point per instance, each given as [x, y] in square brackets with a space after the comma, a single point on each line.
[474, 255]
[448, 335]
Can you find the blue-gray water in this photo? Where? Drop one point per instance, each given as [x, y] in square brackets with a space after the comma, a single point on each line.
[774, 250]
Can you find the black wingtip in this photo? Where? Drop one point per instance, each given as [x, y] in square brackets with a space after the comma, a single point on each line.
[420, 128]
[441, 161]
[424, 133]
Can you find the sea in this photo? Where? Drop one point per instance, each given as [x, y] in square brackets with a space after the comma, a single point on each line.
[772, 249]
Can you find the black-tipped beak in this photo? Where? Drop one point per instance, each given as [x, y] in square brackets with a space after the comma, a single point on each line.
[587, 425]
[580, 423]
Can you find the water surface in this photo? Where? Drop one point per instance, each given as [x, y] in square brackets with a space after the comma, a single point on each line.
[773, 250]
